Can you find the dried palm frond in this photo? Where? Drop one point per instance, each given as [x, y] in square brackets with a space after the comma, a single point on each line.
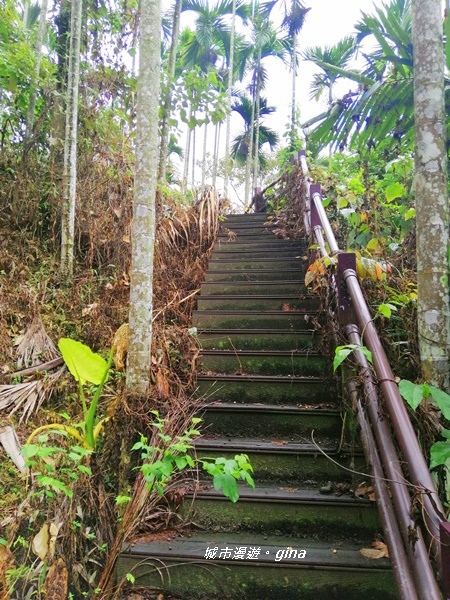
[29, 395]
[35, 346]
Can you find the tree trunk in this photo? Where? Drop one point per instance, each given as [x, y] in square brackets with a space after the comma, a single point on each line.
[216, 154]
[293, 135]
[187, 153]
[70, 143]
[432, 210]
[194, 150]
[205, 146]
[248, 163]
[167, 100]
[257, 109]
[229, 91]
[29, 119]
[143, 241]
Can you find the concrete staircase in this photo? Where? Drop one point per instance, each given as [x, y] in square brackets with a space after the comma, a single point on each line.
[299, 533]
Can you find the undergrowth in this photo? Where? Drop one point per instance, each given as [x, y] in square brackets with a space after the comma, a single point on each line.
[91, 309]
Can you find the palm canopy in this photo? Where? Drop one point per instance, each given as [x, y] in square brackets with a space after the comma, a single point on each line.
[380, 112]
[241, 143]
[212, 29]
[338, 55]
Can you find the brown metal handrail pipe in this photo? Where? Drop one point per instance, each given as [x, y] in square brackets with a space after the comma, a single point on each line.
[416, 549]
[399, 560]
[420, 475]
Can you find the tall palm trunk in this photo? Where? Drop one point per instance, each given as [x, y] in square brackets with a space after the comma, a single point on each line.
[257, 109]
[432, 209]
[70, 143]
[294, 89]
[249, 161]
[229, 91]
[194, 136]
[29, 119]
[187, 155]
[143, 242]
[216, 154]
[167, 100]
[205, 147]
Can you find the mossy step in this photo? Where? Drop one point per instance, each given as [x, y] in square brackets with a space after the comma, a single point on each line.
[250, 245]
[258, 302]
[263, 362]
[284, 461]
[246, 319]
[252, 264]
[249, 216]
[300, 512]
[278, 421]
[300, 391]
[271, 568]
[258, 339]
[255, 276]
[261, 253]
[231, 288]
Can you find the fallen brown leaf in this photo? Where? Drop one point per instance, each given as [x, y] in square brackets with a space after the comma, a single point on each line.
[378, 550]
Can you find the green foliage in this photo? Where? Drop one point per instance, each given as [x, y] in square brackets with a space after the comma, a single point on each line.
[85, 366]
[342, 352]
[55, 468]
[414, 394]
[171, 455]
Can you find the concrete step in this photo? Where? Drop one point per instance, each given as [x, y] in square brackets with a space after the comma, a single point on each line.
[255, 276]
[284, 461]
[248, 245]
[257, 264]
[257, 253]
[258, 339]
[276, 421]
[297, 391]
[269, 288]
[257, 567]
[263, 362]
[257, 302]
[246, 319]
[291, 511]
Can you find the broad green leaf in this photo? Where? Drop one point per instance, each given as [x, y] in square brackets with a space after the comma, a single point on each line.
[409, 214]
[84, 364]
[394, 190]
[340, 355]
[442, 399]
[386, 310]
[411, 392]
[228, 485]
[439, 454]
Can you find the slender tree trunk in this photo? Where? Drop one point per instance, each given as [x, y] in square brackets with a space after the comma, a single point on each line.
[187, 153]
[216, 154]
[70, 143]
[205, 139]
[167, 100]
[294, 90]
[249, 161]
[29, 119]
[432, 210]
[229, 91]
[26, 7]
[194, 136]
[143, 241]
[257, 109]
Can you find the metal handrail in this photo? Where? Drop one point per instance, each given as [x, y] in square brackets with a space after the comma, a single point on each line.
[354, 312]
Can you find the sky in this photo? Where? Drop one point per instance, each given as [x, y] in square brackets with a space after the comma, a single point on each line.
[327, 22]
